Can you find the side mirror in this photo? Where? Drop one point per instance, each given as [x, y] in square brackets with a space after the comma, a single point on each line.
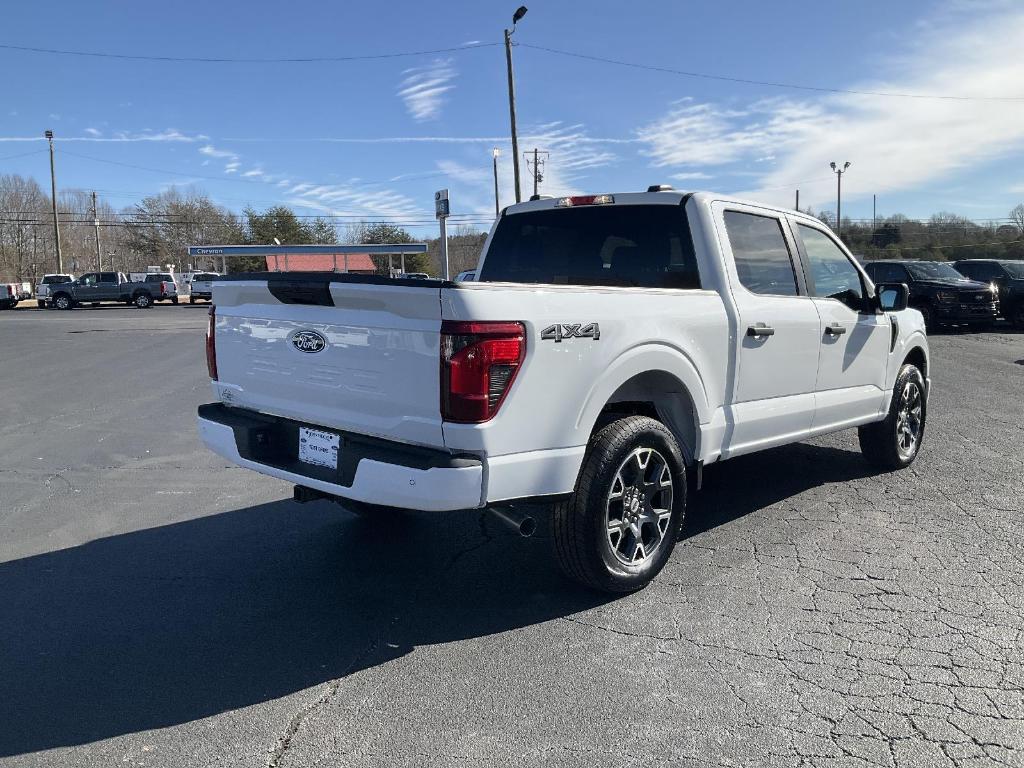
[892, 297]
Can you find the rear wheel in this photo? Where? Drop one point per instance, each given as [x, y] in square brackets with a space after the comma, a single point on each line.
[174, 300]
[41, 304]
[894, 442]
[617, 531]
[191, 299]
[143, 301]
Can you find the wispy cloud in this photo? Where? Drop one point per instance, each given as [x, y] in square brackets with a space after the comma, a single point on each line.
[893, 143]
[423, 88]
[94, 131]
[211, 151]
[572, 155]
[167, 135]
[691, 176]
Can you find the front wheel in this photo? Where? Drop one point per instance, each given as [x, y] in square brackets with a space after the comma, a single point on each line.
[894, 442]
[617, 531]
[63, 301]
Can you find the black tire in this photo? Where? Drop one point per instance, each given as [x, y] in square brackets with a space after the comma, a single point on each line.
[143, 300]
[174, 300]
[581, 530]
[63, 301]
[191, 299]
[41, 304]
[880, 441]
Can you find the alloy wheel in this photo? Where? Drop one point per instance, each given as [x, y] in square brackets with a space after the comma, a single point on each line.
[909, 419]
[639, 506]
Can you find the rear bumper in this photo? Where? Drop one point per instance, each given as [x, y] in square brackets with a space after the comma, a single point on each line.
[369, 470]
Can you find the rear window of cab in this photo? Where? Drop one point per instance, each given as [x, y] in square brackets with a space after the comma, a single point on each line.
[642, 246]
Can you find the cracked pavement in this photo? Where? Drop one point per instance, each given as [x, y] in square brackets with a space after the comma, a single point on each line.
[158, 607]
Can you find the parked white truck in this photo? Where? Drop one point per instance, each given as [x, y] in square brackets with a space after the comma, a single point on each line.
[610, 344]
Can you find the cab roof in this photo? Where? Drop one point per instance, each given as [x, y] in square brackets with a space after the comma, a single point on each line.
[649, 197]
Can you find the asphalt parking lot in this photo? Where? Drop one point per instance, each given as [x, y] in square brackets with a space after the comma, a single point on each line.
[160, 608]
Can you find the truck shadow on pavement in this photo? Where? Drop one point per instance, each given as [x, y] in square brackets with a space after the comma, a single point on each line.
[168, 625]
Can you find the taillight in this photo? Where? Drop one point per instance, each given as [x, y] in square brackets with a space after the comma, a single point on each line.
[211, 344]
[479, 362]
[572, 202]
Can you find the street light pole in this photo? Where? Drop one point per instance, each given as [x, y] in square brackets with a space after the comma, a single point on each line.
[494, 155]
[839, 195]
[520, 12]
[53, 197]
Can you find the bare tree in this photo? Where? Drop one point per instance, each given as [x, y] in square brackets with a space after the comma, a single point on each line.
[1017, 217]
[23, 206]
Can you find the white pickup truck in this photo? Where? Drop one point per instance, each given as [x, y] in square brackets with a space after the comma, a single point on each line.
[610, 345]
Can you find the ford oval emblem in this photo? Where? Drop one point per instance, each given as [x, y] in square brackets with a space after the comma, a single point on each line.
[309, 341]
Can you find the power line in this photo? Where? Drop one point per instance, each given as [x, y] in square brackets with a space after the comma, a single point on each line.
[23, 154]
[769, 83]
[230, 60]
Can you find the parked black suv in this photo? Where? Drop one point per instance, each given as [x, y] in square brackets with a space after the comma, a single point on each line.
[939, 292]
[1007, 276]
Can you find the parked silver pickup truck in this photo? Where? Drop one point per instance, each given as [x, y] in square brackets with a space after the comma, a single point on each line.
[201, 286]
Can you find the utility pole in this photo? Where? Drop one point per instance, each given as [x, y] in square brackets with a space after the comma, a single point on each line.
[537, 168]
[53, 197]
[497, 208]
[96, 225]
[874, 211]
[442, 209]
[798, 200]
[520, 12]
[839, 195]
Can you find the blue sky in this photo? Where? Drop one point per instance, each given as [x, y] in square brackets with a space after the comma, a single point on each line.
[375, 138]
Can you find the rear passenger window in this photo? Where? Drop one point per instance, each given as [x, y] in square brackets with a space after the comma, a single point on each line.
[763, 262]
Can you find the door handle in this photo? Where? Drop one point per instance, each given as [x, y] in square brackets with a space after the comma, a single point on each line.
[757, 331]
[835, 330]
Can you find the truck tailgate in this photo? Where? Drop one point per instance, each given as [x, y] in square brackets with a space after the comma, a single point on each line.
[333, 350]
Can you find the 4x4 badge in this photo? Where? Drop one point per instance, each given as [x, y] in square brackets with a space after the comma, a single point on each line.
[571, 331]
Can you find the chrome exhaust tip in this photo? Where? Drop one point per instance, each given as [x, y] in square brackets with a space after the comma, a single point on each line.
[522, 523]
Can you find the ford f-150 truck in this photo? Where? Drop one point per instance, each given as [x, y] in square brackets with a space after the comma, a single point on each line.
[610, 345]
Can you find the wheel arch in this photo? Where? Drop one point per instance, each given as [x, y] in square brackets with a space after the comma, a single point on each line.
[916, 355]
[657, 381]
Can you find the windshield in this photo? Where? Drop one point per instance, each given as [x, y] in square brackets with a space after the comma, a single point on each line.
[934, 270]
[1014, 268]
[620, 245]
